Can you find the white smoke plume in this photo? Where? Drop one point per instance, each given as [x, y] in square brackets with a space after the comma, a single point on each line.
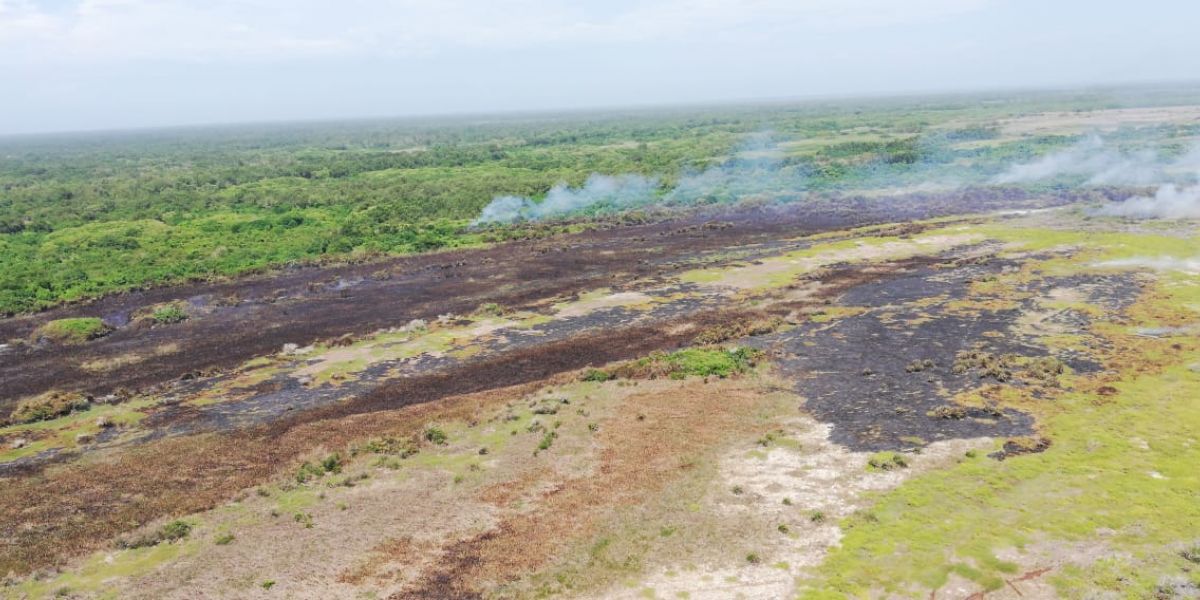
[754, 168]
[619, 191]
[1169, 202]
[1094, 159]
[1190, 161]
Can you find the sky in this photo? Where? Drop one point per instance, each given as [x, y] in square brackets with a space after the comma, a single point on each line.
[68, 65]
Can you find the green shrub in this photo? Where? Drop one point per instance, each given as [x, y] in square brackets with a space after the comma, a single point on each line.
[491, 309]
[72, 331]
[309, 471]
[705, 362]
[886, 461]
[171, 532]
[176, 530]
[697, 362]
[332, 463]
[596, 375]
[402, 447]
[172, 313]
[435, 436]
[50, 405]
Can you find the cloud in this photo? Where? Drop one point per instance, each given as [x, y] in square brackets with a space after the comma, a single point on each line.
[98, 31]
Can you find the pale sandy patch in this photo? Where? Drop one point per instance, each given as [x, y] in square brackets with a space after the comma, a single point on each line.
[1097, 120]
[815, 476]
[586, 305]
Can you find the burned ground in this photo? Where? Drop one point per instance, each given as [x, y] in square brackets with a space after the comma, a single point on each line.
[238, 320]
[249, 448]
[880, 377]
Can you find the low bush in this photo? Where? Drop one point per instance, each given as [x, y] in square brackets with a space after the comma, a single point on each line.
[738, 329]
[949, 411]
[171, 532]
[309, 471]
[50, 405]
[491, 309]
[916, 366]
[402, 447]
[436, 436]
[175, 530]
[1047, 368]
[699, 362]
[172, 313]
[72, 331]
[596, 375]
[304, 519]
[887, 461]
[986, 364]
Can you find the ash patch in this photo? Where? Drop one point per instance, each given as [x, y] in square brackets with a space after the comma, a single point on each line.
[881, 386]
[857, 378]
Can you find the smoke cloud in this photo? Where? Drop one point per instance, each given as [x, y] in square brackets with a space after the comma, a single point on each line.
[755, 168]
[1094, 160]
[599, 191]
[1169, 202]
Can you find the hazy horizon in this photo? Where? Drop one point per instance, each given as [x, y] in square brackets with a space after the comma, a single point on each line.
[131, 64]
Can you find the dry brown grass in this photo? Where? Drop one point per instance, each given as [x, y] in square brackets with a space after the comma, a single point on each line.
[104, 365]
[401, 550]
[127, 488]
[644, 447]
